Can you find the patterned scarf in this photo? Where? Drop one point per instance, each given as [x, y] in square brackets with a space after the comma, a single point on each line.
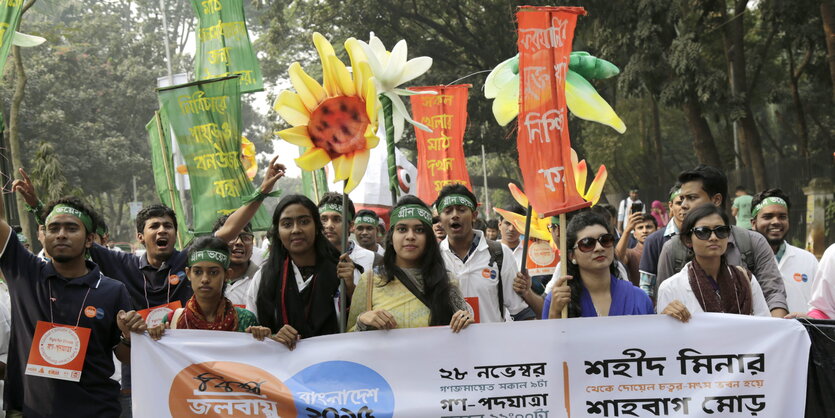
[729, 293]
[226, 318]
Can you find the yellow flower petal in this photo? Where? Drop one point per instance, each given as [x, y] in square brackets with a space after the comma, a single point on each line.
[360, 163]
[517, 194]
[328, 72]
[341, 167]
[362, 75]
[596, 188]
[371, 139]
[298, 135]
[290, 107]
[309, 90]
[506, 105]
[342, 77]
[371, 101]
[580, 173]
[313, 159]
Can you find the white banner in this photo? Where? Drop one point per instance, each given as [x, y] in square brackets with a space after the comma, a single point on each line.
[647, 366]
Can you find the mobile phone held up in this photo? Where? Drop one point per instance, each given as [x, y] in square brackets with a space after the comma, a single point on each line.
[637, 207]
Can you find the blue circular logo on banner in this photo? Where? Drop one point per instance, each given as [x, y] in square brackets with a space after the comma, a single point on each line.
[341, 388]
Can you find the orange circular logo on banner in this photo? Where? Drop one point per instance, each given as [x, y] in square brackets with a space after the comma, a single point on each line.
[228, 389]
[90, 311]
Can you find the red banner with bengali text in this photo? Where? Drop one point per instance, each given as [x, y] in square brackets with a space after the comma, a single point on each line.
[440, 152]
[545, 37]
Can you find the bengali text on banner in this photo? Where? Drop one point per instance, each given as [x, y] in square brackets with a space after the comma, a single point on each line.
[441, 152]
[545, 37]
[642, 366]
[206, 119]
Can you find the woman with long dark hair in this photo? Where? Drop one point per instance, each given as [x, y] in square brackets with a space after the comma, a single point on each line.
[413, 288]
[293, 293]
[592, 286]
[708, 283]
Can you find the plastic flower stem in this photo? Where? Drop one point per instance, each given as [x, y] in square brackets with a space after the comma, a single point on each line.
[392, 162]
[526, 239]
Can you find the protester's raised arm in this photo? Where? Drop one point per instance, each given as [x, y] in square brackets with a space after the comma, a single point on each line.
[237, 220]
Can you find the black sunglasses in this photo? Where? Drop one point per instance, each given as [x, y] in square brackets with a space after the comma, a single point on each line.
[703, 232]
[587, 244]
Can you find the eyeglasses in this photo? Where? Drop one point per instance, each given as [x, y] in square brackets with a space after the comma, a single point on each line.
[245, 237]
[703, 232]
[553, 227]
[587, 244]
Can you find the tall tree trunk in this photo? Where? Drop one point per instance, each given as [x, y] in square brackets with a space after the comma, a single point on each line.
[14, 140]
[655, 136]
[703, 142]
[829, 30]
[749, 138]
[795, 72]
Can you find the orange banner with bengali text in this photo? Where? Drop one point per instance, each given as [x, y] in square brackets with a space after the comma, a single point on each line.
[440, 152]
[545, 37]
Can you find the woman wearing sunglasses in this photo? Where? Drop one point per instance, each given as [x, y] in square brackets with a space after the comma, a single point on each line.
[708, 283]
[592, 286]
[413, 288]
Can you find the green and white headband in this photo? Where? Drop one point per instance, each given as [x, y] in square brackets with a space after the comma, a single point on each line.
[455, 200]
[768, 201]
[209, 255]
[62, 209]
[366, 220]
[411, 212]
[674, 195]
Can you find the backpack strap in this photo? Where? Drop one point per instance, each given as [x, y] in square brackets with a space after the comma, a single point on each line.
[496, 257]
[742, 240]
[681, 254]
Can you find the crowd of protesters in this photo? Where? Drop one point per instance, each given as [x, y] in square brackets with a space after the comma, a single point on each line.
[432, 266]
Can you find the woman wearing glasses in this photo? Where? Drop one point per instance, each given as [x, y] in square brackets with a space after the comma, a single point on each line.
[708, 283]
[592, 286]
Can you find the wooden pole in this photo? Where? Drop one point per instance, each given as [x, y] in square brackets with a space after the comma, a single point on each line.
[563, 256]
[525, 243]
[342, 296]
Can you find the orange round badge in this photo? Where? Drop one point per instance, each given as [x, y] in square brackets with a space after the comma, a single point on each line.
[90, 311]
[485, 273]
[174, 279]
[237, 389]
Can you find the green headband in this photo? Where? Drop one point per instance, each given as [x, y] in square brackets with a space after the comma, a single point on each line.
[209, 255]
[411, 212]
[555, 220]
[366, 220]
[768, 201]
[455, 200]
[674, 195]
[63, 209]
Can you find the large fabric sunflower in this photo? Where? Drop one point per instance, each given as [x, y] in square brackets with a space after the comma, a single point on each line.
[337, 121]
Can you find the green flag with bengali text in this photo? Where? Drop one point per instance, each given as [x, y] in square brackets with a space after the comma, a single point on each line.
[206, 120]
[163, 165]
[223, 45]
[9, 16]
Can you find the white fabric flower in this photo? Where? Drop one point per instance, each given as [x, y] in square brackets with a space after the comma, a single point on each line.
[390, 70]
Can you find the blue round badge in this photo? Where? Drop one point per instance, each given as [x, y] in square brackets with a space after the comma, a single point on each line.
[341, 388]
[99, 313]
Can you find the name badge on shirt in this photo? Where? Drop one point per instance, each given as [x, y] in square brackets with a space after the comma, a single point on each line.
[472, 306]
[154, 316]
[58, 351]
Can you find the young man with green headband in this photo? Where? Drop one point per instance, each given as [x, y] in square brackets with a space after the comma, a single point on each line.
[486, 270]
[648, 267]
[770, 217]
[330, 212]
[366, 228]
[64, 301]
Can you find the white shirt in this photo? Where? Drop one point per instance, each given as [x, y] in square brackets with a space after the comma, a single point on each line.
[624, 208]
[677, 287]
[823, 288]
[381, 250]
[5, 332]
[517, 254]
[363, 257]
[255, 284]
[478, 279]
[798, 269]
[621, 270]
[237, 291]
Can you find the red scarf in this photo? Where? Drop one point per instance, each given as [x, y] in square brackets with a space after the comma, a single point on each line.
[225, 320]
[730, 292]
